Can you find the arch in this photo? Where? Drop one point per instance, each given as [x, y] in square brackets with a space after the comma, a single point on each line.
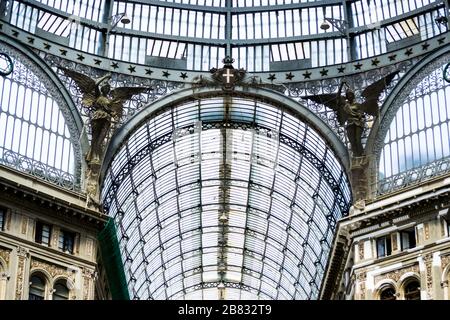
[61, 288]
[38, 288]
[262, 94]
[383, 285]
[196, 164]
[3, 265]
[3, 279]
[58, 93]
[407, 279]
[445, 273]
[396, 99]
[70, 283]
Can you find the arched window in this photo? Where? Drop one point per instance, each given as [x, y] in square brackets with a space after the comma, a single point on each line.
[412, 290]
[35, 136]
[37, 288]
[61, 292]
[388, 293]
[418, 135]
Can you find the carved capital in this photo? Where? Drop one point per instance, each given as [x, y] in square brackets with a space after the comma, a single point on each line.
[22, 252]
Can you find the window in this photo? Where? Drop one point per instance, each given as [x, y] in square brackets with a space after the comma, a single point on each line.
[408, 238]
[37, 288]
[384, 247]
[412, 290]
[66, 241]
[60, 291]
[388, 293]
[43, 232]
[2, 218]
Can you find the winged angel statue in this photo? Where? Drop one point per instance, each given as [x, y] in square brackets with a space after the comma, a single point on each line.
[106, 108]
[351, 114]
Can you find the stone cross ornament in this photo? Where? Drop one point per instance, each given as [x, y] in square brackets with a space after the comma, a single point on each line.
[228, 76]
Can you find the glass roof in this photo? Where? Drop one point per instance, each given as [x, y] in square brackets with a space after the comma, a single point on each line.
[225, 198]
[259, 34]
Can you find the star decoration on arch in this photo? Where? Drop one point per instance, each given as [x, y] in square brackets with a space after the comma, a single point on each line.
[80, 57]
[358, 66]
[63, 52]
[148, 71]
[166, 74]
[425, 46]
[409, 52]
[341, 69]
[392, 57]
[183, 75]
[324, 72]
[375, 62]
[30, 40]
[307, 75]
[132, 69]
[47, 46]
[289, 76]
[272, 77]
[97, 62]
[115, 65]
[441, 40]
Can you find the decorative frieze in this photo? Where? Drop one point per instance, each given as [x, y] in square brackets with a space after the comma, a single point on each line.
[395, 275]
[52, 269]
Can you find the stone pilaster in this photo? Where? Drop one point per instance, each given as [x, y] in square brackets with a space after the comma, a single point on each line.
[21, 275]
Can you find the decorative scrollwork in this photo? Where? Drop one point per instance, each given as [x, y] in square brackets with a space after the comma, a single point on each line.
[7, 66]
[447, 73]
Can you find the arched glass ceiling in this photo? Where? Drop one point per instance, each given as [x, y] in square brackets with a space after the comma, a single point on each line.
[34, 136]
[417, 144]
[225, 198]
[261, 35]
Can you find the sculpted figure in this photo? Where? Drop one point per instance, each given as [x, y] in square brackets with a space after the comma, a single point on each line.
[351, 114]
[106, 108]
